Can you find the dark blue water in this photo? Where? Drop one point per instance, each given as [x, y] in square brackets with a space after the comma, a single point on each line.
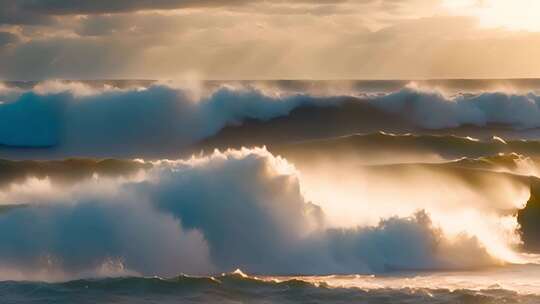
[235, 289]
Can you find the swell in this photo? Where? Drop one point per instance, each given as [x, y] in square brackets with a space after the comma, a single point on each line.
[66, 171]
[454, 151]
[318, 125]
[449, 147]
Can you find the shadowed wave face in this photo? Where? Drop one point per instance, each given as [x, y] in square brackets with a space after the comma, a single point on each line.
[104, 185]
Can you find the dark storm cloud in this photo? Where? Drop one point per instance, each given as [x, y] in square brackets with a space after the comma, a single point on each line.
[11, 12]
[7, 38]
[40, 11]
[100, 25]
[66, 7]
[41, 58]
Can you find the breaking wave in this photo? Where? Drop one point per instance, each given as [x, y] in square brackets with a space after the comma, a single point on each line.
[432, 109]
[240, 208]
[133, 120]
[77, 119]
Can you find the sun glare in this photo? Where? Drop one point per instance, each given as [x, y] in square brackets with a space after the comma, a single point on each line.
[519, 15]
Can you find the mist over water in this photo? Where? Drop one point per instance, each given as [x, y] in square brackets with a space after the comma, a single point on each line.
[421, 188]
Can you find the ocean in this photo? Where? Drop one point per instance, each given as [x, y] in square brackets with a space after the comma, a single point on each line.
[146, 191]
[411, 287]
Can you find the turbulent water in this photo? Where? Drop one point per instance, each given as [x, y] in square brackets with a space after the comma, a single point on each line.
[239, 288]
[322, 191]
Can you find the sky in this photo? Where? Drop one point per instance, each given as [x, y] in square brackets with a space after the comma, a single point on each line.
[280, 39]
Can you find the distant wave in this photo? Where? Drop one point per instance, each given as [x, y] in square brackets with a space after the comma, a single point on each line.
[494, 154]
[75, 120]
[138, 120]
[431, 109]
[66, 171]
[447, 147]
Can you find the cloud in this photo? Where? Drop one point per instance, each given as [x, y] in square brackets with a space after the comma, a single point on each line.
[7, 38]
[223, 39]
[11, 12]
[61, 7]
[239, 45]
[64, 7]
[39, 11]
[407, 39]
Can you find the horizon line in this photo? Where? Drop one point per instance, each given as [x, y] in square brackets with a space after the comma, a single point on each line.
[273, 79]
